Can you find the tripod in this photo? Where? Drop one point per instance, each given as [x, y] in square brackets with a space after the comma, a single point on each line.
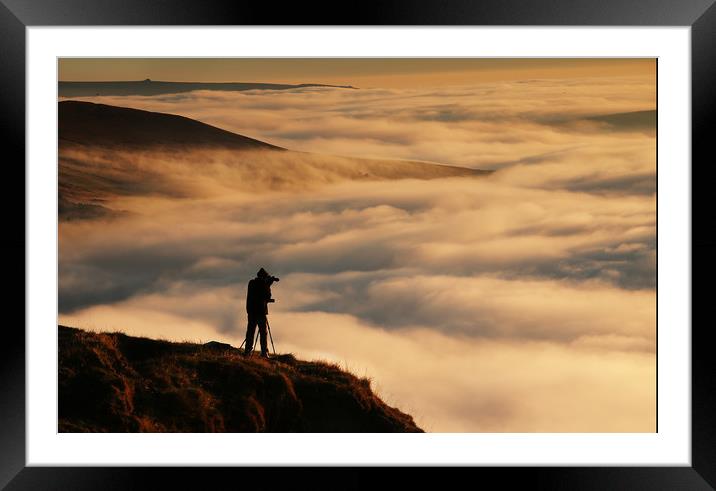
[253, 348]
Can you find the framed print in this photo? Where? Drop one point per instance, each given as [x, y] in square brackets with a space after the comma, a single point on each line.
[472, 227]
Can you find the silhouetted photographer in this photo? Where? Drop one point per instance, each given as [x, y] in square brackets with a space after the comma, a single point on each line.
[258, 296]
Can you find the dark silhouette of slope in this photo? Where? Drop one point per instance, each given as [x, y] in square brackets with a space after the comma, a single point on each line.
[151, 87]
[101, 125]
[111, 382]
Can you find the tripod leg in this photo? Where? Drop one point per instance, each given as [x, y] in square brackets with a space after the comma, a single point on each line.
[268, 326]
[253, 348]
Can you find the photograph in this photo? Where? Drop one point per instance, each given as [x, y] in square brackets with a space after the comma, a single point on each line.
[357, 245]
[420, 238]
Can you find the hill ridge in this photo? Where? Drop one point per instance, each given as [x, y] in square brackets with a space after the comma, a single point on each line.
[89, 123]
[108, 151]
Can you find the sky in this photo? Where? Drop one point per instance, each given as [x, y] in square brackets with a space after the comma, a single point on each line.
[520, 302]
[359, 72]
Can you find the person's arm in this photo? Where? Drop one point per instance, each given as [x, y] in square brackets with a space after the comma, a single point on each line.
[250, 296]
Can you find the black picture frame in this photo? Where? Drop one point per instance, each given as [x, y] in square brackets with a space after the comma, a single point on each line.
[17, 15]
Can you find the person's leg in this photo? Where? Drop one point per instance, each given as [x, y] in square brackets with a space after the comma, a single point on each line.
[250, 330]
[263, 335]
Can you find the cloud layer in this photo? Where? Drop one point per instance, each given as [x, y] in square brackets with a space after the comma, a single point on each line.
[475, 126]
[524, 301]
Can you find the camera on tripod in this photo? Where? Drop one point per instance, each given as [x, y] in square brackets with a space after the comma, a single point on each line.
[271, 280]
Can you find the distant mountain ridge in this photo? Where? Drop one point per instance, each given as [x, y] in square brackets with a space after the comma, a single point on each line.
[632, 120]
[150, 87]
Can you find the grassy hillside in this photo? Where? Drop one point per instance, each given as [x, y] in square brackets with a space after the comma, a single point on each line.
[111, 382]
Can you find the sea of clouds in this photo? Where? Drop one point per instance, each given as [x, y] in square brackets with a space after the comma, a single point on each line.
[522, 301]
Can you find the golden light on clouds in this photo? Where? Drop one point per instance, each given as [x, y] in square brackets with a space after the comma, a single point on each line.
[522, 301]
